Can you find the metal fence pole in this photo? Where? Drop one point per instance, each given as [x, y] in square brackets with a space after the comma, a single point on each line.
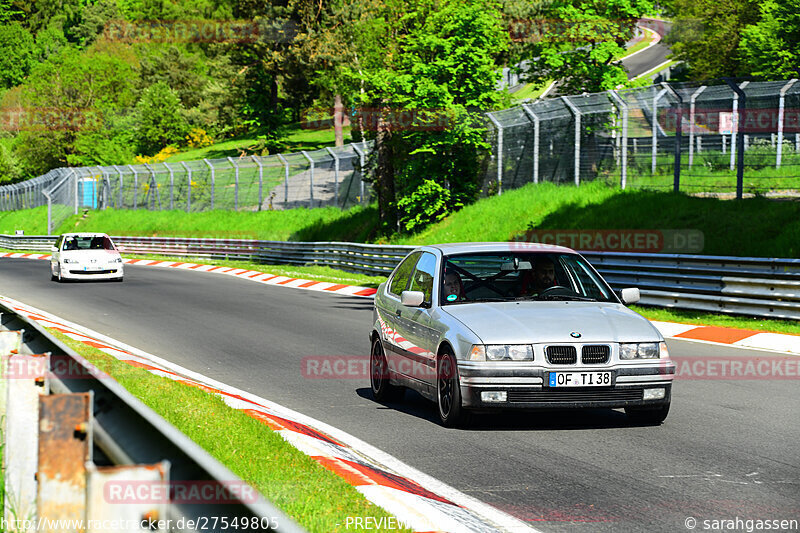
[135, 187]
[311, 180]
[151, 187]
[781, 112]
[121, 203]
[75, 189]
[577, 146]
[188, 186]
[335, 175]
[260, 180]
[207, 162]
[623, 175]
[499, 153]
[535, 119]
[285, 180]
[654, 119]
[362, 162]
[236, 183]
[739, 134]
[171, 186]
[735, 119]
[676, 165]
[691, 122]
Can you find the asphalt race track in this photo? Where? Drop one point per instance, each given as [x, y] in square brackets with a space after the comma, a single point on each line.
[728, 449]
[648, 59]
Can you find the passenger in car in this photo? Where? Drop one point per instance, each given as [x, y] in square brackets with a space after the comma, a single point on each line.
[453, 287]
[543, 276]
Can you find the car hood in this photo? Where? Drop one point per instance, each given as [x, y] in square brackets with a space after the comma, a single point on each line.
[547, 322]
[86, 256]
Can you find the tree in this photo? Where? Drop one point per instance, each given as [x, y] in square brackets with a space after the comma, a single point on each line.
[578, 42]
[160, 119]
[771, 48]
[706, 35]
[439, 74]
[16, 54]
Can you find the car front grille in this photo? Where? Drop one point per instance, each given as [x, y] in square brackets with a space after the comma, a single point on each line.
[92, 272]
[593, 354]
[561, 355]
[574, 395]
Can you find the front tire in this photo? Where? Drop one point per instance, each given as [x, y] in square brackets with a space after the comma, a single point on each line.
[451, 413]
[382, 389]
[648, 415]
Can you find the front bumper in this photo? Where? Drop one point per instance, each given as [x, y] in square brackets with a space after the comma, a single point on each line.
[526, 386]
[77, 272]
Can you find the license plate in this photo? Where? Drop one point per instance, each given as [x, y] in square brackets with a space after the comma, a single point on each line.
[580, 379]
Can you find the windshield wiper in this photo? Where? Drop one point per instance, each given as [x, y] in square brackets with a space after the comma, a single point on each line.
[557, 297]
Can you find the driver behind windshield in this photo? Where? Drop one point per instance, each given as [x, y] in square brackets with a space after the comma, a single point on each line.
[542, 277]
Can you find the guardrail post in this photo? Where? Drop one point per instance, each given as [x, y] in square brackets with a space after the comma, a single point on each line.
[623, 175]
[781, 112]
[691, 124]
[188, 186]
[335, 174]
[311, 186]
[577, 146]
[737, 120]
[285, 181]
[26, 377]
[213, 185]
[654, 148]
[100, 510]
[499, 152]
[65, 446]
[535, 119]
[260, 180]
[171, 186]
[236, 183]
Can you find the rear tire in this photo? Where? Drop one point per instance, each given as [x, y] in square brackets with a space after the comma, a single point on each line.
[648, 415]
[448, 394]
[382, 389]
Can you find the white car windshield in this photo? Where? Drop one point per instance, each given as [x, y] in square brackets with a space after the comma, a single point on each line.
[100, 242]
[514, 276]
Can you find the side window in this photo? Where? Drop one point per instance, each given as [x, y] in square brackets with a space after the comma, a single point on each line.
[422, 280]
[58, 242]
[402, 273]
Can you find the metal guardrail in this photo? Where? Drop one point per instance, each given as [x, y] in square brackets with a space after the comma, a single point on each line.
[93, 433]
[752, 286]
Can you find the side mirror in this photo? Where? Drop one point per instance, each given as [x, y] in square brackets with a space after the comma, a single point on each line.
[630, 296]
[412, 298]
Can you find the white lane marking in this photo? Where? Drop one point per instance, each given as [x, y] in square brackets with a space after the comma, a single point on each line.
[491, 515]
[771, 341]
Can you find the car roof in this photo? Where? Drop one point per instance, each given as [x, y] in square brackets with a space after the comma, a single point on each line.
[84, 234]
[513, 246]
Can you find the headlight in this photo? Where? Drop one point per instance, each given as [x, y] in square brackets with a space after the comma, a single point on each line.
[642, 350]
[501, 352]
[117, 260]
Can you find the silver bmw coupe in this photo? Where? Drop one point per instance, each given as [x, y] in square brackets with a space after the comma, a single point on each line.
[482, 326]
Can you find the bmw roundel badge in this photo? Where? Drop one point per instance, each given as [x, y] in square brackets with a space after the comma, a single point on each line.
[575, 335]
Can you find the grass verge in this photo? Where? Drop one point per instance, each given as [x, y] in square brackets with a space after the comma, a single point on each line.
[316, 498]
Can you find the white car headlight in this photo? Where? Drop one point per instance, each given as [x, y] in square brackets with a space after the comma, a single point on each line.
[502, 352]
[641, 350]
[117, 260]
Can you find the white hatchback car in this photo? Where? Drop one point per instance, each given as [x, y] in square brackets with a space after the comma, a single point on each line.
[85, 256]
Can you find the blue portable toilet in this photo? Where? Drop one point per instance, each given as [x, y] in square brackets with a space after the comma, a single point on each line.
[87, 192]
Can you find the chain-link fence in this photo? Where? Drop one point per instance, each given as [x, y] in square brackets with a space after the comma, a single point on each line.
[721, 138]
[319, 178]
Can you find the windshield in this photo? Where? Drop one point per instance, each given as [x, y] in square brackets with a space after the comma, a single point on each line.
[100, 242]
[512, 276]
